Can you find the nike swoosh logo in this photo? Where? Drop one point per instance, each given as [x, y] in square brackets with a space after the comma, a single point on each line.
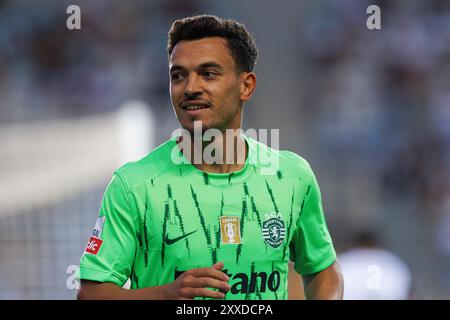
[172, 241]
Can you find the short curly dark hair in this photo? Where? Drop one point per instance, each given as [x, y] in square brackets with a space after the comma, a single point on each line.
[240, 41]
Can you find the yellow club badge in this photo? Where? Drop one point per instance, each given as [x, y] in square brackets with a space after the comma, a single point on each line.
[230, 230]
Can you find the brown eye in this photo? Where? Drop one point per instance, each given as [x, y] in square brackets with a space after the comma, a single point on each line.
[176, 76]
[209, 74]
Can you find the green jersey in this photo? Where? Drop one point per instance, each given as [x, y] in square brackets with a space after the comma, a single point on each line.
[159, 218]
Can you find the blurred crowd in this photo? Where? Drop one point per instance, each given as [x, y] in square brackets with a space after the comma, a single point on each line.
[47, 70]
[384, 105]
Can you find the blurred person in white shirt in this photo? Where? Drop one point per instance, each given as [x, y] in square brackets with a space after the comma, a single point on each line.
[373, 273]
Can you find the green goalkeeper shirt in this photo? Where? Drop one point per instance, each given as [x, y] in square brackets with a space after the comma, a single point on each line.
[159, 217]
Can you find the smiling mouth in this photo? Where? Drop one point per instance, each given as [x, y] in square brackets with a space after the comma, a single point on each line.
[194, 105]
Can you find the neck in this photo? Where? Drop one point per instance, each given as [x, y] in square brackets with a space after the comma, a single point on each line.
[226, 153]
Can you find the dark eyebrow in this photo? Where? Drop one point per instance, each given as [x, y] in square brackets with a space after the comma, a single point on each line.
[204, 65]
[207, 65]
[176, 67]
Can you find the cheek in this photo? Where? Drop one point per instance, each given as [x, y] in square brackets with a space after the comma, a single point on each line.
[230, 94]
[176, 92]
[173, 93]
[231, 98]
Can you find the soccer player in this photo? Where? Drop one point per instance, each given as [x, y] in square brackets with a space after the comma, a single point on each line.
[201, 229]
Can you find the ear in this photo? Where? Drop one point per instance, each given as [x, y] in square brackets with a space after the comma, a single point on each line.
[248, 85]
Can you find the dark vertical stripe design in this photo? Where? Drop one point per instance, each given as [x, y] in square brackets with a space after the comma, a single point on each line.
[222, 202]
[304, 199]
[169, 191]
[269, 190]
[139, 237]
[212, 249]
[217, 239]
[134, 278]
[144, 226]
[246, 189]
[243, 215]
[217, 232]
[279, 175]
[246, 195]
[229, 178]
[202, 220]
[258, 216]
[205, 178]
[164, 231]
[180, 218]
[288, 233]
[254, 209]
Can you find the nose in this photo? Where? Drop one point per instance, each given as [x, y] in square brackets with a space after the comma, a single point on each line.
[193, 86]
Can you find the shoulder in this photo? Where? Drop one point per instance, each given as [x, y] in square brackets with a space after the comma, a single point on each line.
[287, 162]
[152, 165]
[295, 164]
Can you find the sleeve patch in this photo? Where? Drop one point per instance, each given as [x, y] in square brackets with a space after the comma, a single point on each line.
[94, 245]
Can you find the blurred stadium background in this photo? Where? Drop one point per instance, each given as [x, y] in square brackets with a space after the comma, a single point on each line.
[370, 111]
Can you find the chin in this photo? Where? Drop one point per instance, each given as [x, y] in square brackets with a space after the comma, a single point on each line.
[190, 126]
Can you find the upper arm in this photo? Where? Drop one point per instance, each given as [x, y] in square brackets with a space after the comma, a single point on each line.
[326, 284]
[93, 290]
[311, 247]
[112, 257]
[333, 271]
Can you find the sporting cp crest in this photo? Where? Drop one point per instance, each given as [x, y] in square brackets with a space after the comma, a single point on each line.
[273, 230]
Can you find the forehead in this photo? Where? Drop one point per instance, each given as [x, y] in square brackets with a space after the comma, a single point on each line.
[192, 53]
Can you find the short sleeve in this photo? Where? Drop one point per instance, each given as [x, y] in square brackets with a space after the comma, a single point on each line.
[311, 248]
[110, 252]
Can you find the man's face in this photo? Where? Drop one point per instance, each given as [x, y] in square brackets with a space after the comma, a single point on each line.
[203, 75]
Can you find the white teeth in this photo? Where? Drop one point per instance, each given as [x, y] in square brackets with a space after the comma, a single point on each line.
[194, 107]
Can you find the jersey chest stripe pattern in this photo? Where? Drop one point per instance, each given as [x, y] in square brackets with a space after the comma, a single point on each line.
[269, 190]
[164, 231]
[242, 221]
[163, 218]
[146, 213]
[180, 218]
[290, 222]
[202, 219]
